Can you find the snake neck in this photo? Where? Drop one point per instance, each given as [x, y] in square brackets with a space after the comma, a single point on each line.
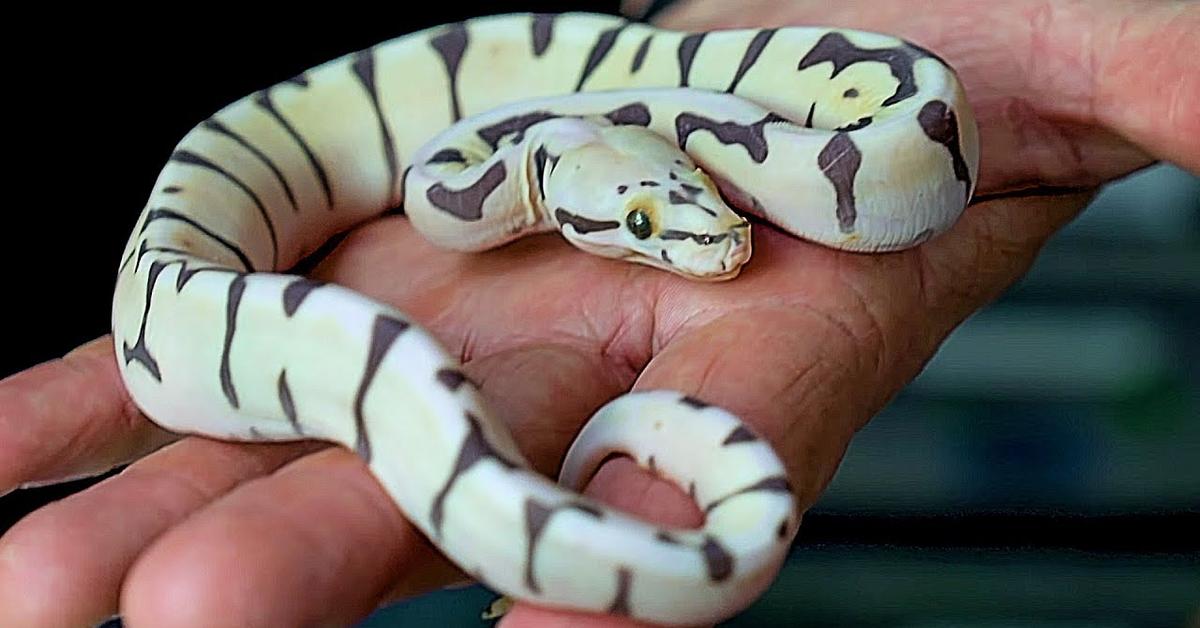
[543, 145]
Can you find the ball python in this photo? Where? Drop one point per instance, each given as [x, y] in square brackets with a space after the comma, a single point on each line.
[632, 142]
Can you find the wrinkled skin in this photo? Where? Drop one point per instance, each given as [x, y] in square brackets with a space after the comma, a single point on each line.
[806, 344]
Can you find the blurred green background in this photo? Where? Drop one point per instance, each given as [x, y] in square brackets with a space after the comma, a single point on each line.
[1042, 472]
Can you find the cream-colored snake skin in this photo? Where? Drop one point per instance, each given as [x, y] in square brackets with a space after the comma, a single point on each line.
[626, 138]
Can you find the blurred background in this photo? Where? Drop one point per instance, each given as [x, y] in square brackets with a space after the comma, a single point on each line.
[1043, 472]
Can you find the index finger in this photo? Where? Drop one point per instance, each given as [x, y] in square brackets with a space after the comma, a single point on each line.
[70, 417]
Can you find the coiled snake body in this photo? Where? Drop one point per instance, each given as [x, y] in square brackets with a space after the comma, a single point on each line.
[549, 122]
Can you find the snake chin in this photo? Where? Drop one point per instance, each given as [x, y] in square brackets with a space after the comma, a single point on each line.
[729, 267]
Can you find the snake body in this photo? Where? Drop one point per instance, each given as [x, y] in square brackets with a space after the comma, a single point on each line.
[627, 139]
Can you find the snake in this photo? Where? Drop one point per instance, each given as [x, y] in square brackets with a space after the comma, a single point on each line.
[635, 143]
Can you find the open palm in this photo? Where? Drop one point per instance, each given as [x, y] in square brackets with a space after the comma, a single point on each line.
[806, 345]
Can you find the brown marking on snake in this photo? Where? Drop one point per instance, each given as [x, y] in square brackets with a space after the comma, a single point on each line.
[675, 197]
[398, 209]
[540, 159]
[184, 156]
[703, 239]
[384, 332]
[620, 603]
[774, 484]
[467, 203]
[450, 46]
[856, 125]
[447, 156]
[717, 559]
[940, 124]
[162, 213]
[639, 57]
[287, 402]
[263, 100]
[749, 136]
[218, 127]
[172, 189]
[543, 32]
[634, 113]
[232, 304]
[836, 49]
[295, 293]
[694, 403]
[666, 537]
[474, 448]
[782, 532]
[686, 195]
[582, 224]
[585, 508]
[688, 46]
[839, 160]
[186, 273]
[753, 51]
[537, 515]
[300, 80]
[146, 248]
[518, 124]
[364, 70]
[139, 352]
[621, 189]
[925, 52]
[452, 379]
[604, 44]
[740, 434]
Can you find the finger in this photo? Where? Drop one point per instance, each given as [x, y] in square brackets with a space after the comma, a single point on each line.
[63, 565]
[70, 417]
[990, 247]
[319, 542]
[290, 549]
[1144, 82]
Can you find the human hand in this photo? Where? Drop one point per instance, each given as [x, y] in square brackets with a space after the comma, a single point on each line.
[806, 345]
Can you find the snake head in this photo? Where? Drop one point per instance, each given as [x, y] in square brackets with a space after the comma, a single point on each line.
[633, 195]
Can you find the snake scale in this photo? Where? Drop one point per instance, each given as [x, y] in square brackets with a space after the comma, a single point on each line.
[628, 139]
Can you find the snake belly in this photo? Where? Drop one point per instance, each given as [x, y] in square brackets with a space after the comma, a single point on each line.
[854, 140]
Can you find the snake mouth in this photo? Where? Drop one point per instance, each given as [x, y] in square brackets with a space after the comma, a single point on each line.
[722, 273]
[727, 254]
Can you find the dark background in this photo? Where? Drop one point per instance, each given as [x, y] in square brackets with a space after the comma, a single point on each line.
[1044, 470]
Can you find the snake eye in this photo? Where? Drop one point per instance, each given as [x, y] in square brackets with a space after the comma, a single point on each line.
[639, 224]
